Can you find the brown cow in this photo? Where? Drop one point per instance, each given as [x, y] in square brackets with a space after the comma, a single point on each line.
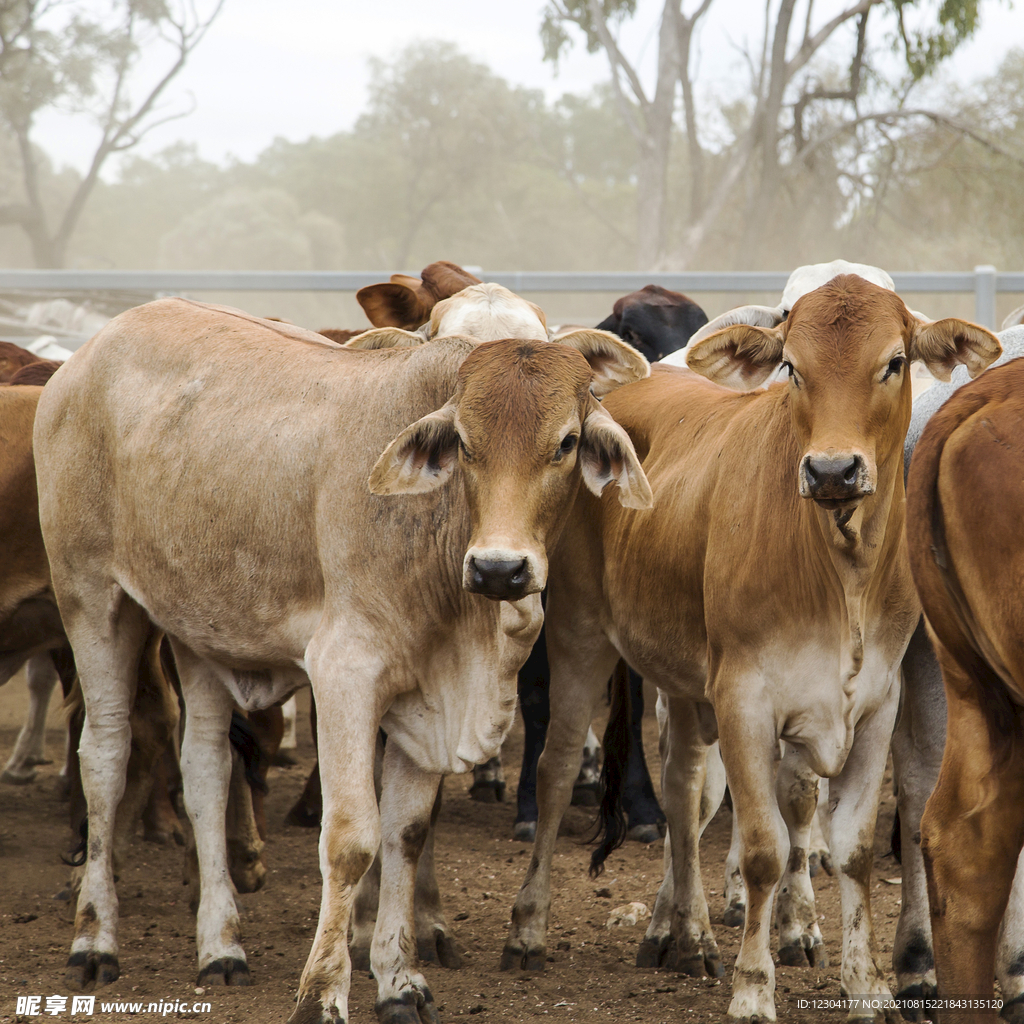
[768, 596]
[13, 358]
[964, 495]
[235, 494]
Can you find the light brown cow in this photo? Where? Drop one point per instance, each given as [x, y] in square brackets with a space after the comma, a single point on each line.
[964, 497]
[219, 488]
[768, 596]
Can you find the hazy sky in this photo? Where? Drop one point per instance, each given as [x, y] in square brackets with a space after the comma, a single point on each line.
[269, 69]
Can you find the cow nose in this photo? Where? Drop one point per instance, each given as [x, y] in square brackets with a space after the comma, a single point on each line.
[833, 479]
[501, 580]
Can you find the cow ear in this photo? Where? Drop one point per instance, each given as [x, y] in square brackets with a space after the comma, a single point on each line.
[445, 279]
[941, 344]
[740, 357]
[613, 361]
[385, 337]
[421, 458]
[607, 455]
[396, 304]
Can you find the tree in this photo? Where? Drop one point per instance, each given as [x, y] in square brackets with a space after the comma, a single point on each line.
[55, 53]
[797, 105]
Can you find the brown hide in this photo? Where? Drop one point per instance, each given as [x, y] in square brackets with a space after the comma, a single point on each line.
[13, 358]
[965, 493]
[37, 373]
[406, 302]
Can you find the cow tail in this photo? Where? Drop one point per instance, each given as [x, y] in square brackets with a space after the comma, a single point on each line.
[610, 828]
[955, 625]
[249, 748]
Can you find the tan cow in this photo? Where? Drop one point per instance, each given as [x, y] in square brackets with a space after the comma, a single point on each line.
[964, 499]
[207, 471]
[767, 594]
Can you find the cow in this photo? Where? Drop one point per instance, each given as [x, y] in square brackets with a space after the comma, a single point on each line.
[234, 484]
[1014, 319]
[917, 748]
[655, 320]
[767, 594]
[963, 497]
[13, 358]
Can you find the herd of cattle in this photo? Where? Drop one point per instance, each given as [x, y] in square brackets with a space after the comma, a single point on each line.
[206, 510]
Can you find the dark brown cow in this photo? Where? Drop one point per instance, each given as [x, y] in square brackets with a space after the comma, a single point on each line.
[655, 320]
[13, 358]
[965, 493]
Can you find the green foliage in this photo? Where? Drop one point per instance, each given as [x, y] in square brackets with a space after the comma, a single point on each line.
[558, 13]
[925, 48]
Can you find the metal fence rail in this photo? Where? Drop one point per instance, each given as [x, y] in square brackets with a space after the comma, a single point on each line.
[984, 281]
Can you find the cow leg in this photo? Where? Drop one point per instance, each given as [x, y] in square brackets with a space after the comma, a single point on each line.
[534, 703]
[853, 799]
[796, 787]
[434, 940]
[206, 758]
[29, 749]
[582, 671]
[159, 819]
[308, 809]
[644, 818]
[750, 751]
[406, 803]
[735, 890]
[108, 660]
[268, 726]
[690, 946]
[1010, 955]
[917, 744]
[488, 782]
[347, 729]
[819, 857]
[972, 831]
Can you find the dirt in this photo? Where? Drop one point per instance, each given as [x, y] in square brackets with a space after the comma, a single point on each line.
[590, 972]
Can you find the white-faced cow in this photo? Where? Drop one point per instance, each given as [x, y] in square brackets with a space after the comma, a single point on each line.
[223, 477]
[767, 594]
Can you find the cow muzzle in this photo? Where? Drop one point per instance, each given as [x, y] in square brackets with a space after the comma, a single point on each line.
[500, 576]
[834, 481]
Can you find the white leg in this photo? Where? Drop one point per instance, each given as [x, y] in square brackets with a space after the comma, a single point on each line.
[818, 856]
[853, 799]
[107, 655]
[206, 776]
[799, 935]
[29, 750]
[406, 802]
[1010, 954]
[289, 710]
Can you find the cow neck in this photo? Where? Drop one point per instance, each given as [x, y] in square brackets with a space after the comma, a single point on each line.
[859, 544]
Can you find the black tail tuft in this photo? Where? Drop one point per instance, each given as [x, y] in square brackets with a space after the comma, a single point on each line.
[244, 740]
[610, 827]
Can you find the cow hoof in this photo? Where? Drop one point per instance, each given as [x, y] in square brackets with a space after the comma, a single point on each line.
[303, 817]
[86, 967]
[517, 958]
[652, 952]
[798, 955]
[918, 993]
[228, 970]
[586, 794]
[439, 948]
[1013, 1011]
[818, 862]
[164, 837]
[644, 834]
[694, 963]
[735, 915]
[311, 1011]
[360, 957]
[490, 792]
[416, 1007]
[524, 831]
[18, 777]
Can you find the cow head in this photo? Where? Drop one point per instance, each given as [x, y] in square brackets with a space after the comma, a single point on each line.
[523, 428]
[846, 347]
[488, 312]
[406, 301]
[655, 321]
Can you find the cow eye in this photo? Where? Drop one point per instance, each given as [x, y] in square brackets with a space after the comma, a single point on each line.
[566, 447]
[462, 448]
[788, 367]
[895, 366]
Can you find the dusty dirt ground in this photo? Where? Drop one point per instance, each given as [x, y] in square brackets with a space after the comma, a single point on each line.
[590, 974]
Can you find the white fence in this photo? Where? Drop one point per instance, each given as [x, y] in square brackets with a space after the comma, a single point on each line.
[984, 281]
